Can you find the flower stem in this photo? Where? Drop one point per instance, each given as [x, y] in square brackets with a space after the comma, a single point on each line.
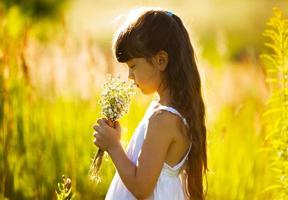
[97, 161]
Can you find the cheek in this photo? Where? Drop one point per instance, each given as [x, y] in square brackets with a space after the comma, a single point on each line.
[149, 86]
[147, 79]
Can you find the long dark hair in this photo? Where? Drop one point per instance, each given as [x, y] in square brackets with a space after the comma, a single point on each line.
[155, 30]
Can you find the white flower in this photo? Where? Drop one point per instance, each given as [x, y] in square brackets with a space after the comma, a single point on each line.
[116, 97]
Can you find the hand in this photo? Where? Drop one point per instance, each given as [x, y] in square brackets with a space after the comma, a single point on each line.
[106, 136]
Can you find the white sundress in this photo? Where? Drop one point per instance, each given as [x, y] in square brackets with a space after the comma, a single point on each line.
[168, 186]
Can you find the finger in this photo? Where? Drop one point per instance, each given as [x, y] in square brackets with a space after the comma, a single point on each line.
[96, 134]
[95, 141]
[110, 123]
[117, 126]
[96, 128]
[98, 121]
[102, 120]
[98, 141]
[98, 137]
[103, 123]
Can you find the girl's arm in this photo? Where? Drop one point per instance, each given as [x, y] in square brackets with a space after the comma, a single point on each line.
[141, 179]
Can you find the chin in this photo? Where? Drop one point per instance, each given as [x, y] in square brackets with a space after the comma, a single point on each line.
[147, 92]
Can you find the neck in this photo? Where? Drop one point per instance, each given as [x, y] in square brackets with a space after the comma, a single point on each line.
[164, 94]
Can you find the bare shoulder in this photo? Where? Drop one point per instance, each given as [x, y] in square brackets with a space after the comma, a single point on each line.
[163, 117]
[165, 120]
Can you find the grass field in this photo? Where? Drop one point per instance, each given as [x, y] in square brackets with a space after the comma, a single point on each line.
[50, 81]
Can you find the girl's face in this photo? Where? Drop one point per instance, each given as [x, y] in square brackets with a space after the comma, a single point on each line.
[145, 75]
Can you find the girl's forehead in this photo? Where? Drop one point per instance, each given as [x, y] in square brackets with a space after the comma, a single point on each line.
[132, 61]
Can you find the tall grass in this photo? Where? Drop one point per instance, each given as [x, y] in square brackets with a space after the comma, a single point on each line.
[237, 167]
[276, 115]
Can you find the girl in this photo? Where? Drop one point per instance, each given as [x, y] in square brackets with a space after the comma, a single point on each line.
[166, 157]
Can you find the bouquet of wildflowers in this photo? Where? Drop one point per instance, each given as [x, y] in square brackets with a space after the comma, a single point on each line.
[115, 100]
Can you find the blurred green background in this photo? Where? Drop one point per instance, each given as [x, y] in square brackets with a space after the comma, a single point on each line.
[54, 56]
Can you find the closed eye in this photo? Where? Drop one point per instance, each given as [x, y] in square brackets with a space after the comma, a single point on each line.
[132, 66]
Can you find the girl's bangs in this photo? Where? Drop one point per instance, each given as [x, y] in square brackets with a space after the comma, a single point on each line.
[127, 47]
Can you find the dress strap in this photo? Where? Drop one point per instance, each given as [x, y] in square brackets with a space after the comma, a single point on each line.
[184, 159]
[173, 110]
[181, 163]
